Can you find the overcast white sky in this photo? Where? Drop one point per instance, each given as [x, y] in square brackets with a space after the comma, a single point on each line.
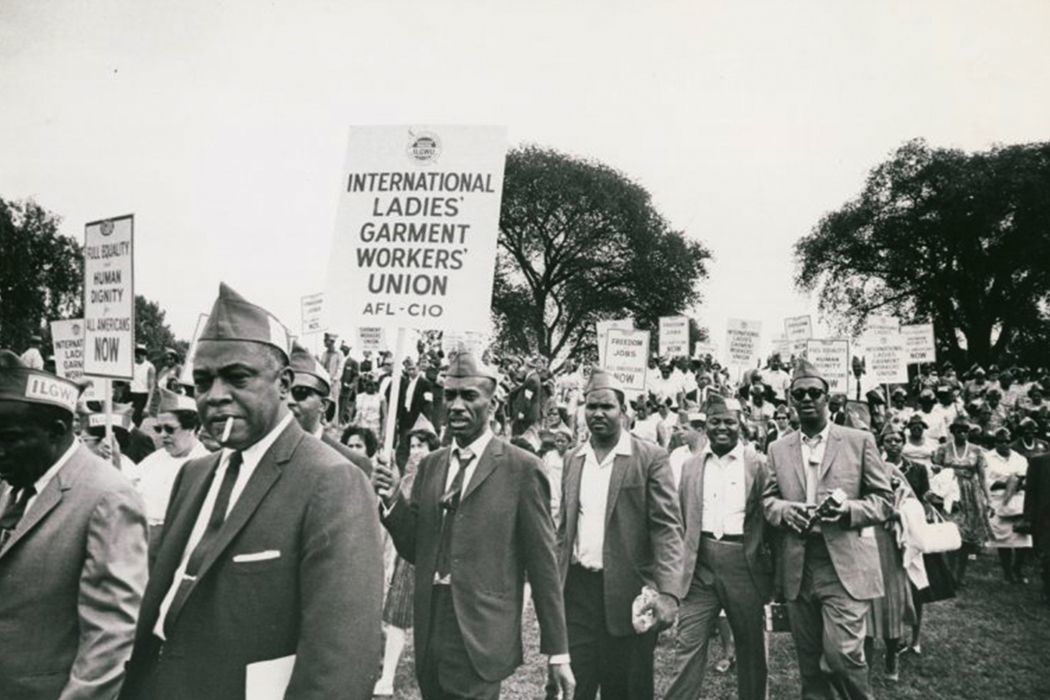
[222, 125]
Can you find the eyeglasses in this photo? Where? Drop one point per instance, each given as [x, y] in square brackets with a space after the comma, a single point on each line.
[169, 429]
[302, 393]
[812, 392]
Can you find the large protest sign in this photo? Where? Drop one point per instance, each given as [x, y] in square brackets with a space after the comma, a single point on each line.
[885, 358]
[67, 339]
[831, 358]
[797, 330]
[627, 358]
[312, 308]
[186, 375]
[673, 340]
[742, 341]
[416, 228]
[919, 343]
[109, 298]
[602, 330]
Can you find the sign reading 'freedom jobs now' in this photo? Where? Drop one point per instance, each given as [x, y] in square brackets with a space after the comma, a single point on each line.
[627, 358]
[109, 298]
[416, 228]
[312, 306]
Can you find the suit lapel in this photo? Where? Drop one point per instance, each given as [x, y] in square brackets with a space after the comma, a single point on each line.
[570, 508]
[830, 450]
[750, 471]
[694, 514]
[262, 479]
[795, 455]
[487, 463]
[177, 532]
[619, 470]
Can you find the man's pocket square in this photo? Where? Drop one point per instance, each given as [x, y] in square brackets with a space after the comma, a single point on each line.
[257, 556]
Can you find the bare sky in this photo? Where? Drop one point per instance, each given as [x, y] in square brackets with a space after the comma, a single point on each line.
[222, 125]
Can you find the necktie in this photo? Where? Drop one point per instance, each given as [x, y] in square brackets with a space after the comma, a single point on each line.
[812, 465]
[14, 511]
[215, 521]
[449, 504]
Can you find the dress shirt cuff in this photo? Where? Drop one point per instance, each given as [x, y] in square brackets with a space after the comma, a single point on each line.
[385, 510]
[559, 659]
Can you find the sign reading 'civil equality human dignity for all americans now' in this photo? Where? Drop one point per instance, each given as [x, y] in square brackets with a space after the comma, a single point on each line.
[109, 298]
[416, 228]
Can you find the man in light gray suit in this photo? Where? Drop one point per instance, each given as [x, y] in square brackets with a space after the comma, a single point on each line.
[727, 564]
[72, 548]
[828, 571]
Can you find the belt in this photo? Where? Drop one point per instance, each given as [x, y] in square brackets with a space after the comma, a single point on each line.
[585, 569]
[735, 539]
[442, 581]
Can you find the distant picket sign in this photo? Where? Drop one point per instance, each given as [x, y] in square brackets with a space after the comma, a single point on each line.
[919, 343]
[627, 358]
[797, 330]
[416, 228]
[742, 338]
[673, 340]
[371, 339]
[701, 348]
[602, 328]
[67, 340]
[831, 358]
[885, 358]
[312, 310]
[109, 298]
[186, 375]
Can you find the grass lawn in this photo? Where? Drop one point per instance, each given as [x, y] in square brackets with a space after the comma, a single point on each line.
[991, 642]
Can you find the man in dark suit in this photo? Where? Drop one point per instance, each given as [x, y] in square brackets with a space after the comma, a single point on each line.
[269, 570]
[827, 572]
[477, 522]
[415, 397]
[72, 548]
[727, 565]
[620, 530]
[1037, 514]
[307, 401]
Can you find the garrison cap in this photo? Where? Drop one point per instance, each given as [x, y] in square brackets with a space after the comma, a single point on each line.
[423, 425]
[120, 418]
[600, 379]
[21, 383]
[234, 318]
[308, 371]
[718, 405]
[170, 402]
[464, 364]
[805, 369]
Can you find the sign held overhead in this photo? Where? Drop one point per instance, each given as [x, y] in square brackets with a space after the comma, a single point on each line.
[109, 298]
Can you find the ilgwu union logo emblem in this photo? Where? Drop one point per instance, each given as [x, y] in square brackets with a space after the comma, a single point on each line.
[107, 228]
[424, 148]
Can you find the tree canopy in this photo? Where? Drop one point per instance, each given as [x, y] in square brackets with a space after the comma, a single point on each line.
[42, 279]
[960, 239]
[41, 272]
[578, 243]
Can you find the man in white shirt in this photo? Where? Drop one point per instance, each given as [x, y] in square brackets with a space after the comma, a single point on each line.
[620, 531]
[694, 441]
[727, 565]
[32, 358]
[270, 564]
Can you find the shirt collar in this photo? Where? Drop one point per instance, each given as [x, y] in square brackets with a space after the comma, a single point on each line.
[734, 454]
[623, 447]
[47, 476]
[318, 432]
[477, 448]
[251, 455]
[823, 434]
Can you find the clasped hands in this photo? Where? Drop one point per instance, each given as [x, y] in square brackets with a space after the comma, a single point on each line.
[796, 515]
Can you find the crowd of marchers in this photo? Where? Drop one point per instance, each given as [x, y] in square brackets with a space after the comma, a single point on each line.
[236, 528]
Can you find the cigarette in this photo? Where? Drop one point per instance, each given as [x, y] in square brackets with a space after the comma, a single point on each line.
[226, 431]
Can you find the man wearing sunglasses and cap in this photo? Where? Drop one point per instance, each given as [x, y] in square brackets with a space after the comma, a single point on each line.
[308, 401]
[270, 563]
[829, 569]
[72, 548]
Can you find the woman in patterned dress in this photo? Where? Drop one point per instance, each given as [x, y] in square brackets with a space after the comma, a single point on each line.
[1006, 473]
[971, 512]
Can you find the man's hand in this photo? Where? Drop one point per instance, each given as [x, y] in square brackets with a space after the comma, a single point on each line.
[835, 513]
[796, 516]
[560, 682]
[665, 609]
[385, 479]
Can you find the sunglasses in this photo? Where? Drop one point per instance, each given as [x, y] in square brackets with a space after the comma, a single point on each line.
[812, 392]
[302, 393]
[169, 429]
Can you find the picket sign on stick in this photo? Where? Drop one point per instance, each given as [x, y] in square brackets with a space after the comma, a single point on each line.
[395, 391]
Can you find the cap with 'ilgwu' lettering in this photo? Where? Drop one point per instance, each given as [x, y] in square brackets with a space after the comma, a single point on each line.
[20, 383]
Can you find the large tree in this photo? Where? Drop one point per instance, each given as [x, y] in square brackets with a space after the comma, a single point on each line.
[961, 239]
[580, 242]
[40, 272]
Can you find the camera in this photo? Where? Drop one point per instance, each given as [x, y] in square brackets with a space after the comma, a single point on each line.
[833, 500]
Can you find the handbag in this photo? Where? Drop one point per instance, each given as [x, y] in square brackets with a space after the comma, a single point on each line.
[937, 537]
